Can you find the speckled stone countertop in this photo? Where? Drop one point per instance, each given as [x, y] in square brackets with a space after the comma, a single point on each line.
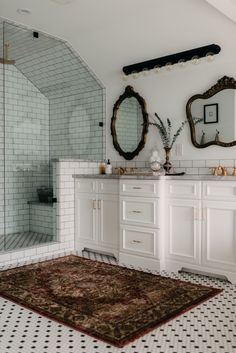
[155, 177]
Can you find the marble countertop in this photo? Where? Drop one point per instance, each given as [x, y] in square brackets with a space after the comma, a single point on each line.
[156, 177]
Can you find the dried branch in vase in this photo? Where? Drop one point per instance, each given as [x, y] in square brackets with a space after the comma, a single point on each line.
[165, 131]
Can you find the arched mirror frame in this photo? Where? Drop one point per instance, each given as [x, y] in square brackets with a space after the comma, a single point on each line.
[129, 92]
[224, 83]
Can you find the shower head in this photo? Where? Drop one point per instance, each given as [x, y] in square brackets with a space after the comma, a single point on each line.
[5, 60]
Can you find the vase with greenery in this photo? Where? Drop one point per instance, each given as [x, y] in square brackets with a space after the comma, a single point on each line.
[168, 139]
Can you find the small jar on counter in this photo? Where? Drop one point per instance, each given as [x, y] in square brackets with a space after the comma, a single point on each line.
[108, 169]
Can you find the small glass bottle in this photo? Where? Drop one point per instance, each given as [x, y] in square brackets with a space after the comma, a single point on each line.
[102, 167]
[108, 167]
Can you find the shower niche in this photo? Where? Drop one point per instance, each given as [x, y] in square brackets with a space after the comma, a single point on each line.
[50, 108]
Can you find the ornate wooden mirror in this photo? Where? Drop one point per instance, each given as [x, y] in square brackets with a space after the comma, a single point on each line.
[129, 124]
[212, 115]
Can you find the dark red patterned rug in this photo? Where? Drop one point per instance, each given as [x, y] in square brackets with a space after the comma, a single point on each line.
[108, 302]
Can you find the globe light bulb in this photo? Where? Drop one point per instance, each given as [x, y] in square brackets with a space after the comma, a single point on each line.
[195, 60]
[182, 63]
[168, 66]
[157, 69]
[145, 72]
[210, 57]
[134, 74]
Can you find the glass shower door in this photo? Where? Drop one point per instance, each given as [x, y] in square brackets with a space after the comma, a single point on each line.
[28, 215]
[1, 142]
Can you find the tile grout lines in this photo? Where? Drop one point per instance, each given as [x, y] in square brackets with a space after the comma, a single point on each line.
[208, 328]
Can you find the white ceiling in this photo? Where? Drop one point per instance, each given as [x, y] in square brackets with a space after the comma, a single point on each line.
[109, 34]
[227, 7]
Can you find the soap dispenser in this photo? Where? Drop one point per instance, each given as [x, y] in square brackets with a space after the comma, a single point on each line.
[108, 167]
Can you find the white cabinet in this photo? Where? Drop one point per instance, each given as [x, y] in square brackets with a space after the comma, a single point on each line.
[97, 215]
[200, 233]
[183, 231]
[108, 221]
[160, 224]
[140, 223]
[219, 235]
[219, 228]
[86, 218]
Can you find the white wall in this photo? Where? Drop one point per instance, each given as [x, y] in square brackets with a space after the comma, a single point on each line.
[123, 32]
[168, 92]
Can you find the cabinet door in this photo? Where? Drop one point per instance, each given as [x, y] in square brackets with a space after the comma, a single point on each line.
[108, 220]
[183, 230]
[219, 234]
[85, 217]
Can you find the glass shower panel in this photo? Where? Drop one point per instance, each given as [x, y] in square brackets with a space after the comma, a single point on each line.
[29, 217]
[52, 108]
[76, 107]
[2, 232]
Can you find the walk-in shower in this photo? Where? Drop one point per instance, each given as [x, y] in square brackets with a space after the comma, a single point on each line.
[51, 107]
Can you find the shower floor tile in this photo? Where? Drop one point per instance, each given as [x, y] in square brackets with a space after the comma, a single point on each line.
[24, 240]
[207, 328]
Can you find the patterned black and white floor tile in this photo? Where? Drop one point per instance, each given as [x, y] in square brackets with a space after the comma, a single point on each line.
[22, 240]
[208, 328]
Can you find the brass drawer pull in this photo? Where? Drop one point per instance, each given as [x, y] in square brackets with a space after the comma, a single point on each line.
[134, 211]
[99, 204]
[94, 204]
[136, 242]
[137, 187]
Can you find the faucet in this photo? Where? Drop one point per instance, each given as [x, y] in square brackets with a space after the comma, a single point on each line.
[234, 171]
[121, 170]
[220, 171]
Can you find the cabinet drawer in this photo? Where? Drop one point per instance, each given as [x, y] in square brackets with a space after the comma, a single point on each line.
[108, 186]
[85, 185]
[139, 188]
[141, 211]
[219, 190]
[140, 241]
[186, 189]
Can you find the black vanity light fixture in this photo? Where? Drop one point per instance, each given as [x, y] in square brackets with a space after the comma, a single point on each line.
[194, 55]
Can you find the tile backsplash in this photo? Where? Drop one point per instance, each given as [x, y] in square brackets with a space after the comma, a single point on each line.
[26, 150]
[200, 167]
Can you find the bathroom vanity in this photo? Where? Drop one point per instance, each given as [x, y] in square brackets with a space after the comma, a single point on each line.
[159, 222]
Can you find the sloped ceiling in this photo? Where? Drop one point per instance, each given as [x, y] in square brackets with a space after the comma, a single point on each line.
[227, 7]
[109, 34]
[48, 63]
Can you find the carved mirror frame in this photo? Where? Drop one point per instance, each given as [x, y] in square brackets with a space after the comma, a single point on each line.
[223, 83]
[129, 92]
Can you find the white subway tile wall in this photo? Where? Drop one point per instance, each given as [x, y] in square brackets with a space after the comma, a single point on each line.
[54, 107]
[64, 187]
[76, 97]
[41, 218]
[1, 149]
[26, 147]
[74, 126]
[199, 167]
